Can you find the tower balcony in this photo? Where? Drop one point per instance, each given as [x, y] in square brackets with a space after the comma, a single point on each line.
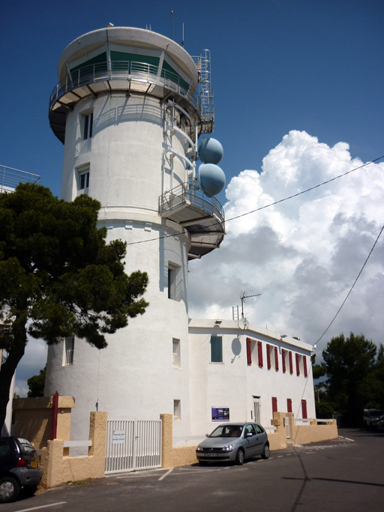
[10, 178]
[201, 216]
[129, 77]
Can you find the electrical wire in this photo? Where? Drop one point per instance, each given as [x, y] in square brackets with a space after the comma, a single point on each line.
[268, 205]
[350, 291]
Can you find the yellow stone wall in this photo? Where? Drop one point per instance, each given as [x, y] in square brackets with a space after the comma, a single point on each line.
[33, 419]
[59, 468]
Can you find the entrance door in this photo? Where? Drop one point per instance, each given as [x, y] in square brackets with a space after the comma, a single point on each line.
[256, 409]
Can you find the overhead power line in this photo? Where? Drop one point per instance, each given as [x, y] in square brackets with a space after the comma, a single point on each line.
[304, 191]
[350, 291]
[270, 204]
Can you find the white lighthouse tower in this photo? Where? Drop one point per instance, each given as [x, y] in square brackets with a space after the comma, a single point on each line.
[129, 108]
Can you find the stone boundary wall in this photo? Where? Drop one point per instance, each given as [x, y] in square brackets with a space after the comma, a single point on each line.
[299, 434]
[33, 419]
[59, 468]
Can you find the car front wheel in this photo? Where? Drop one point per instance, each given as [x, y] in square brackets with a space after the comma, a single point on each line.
[265, 453]
[240, 457]
[9, 489]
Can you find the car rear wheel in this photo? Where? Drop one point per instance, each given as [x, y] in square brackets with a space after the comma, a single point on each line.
[240, 457]
[265, 453]
[9, 489]
[29, 490]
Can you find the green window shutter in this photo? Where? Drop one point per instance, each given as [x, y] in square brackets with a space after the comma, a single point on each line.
[216, 349]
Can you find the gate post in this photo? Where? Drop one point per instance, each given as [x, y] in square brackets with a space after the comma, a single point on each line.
[166, 440]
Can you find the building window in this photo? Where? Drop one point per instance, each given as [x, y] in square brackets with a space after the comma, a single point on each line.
[304, 409]
[289, 404]
[274, 405]
[83, 180]
[305, 366]
[87, 126]
[290, 363]
[176, 353]
[297, 364]
[284, 357]
[272, 357]
[173, 274]
[216, 349]
[249, 351]
[177, 410]
[276, 359]
[260, 353]
[69, 349]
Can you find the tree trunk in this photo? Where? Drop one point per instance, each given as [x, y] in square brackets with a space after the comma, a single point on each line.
[9, 367]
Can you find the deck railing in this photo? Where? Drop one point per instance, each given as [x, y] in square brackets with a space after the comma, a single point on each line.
[10, 178]
[188, 193]
[131, 71]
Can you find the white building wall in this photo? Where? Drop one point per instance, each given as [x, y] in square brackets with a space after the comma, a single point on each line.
[134, 377]
[234, 384]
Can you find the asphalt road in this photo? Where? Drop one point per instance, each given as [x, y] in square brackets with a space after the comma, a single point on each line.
[343, 475]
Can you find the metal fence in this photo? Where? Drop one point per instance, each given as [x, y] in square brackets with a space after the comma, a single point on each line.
[10, 178]
[132, 445]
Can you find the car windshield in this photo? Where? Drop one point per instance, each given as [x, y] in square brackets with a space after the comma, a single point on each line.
[26, 447]
[375, 413]
[227, 431]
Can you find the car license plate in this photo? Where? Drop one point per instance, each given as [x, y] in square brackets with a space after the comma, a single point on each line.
[33, 464]
[210, 454]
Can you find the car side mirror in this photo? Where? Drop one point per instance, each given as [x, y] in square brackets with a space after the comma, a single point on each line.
[248, 434]
[206, 435]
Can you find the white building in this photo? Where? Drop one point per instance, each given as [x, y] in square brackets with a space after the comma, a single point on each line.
[127, 111]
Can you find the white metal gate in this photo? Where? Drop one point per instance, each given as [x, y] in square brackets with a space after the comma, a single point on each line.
[132, 445]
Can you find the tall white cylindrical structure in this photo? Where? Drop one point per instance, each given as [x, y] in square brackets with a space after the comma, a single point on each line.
[127, 111]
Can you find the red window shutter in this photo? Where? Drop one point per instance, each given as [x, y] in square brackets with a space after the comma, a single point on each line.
[290, 363]
[297, 364]
[305, 366]
[276, 359]
[274, 405]
[269, 356]
[289, 404]
[283, 357]
[249, 351]
[260, 353]
[304, 409]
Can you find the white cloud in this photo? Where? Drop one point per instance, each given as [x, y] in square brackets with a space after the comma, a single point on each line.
[31, 363]
[302, 255]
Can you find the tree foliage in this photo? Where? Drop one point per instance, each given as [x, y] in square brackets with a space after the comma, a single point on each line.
[36, 384]
[354, 367]
[58, 276]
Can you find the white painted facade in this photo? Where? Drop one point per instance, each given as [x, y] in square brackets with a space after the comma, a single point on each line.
[241, 380]
[145, 123]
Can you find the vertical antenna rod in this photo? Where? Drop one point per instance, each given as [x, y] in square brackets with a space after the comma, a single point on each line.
[243, 297]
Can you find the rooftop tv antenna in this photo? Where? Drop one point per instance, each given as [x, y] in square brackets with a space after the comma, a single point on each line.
[243, 297]
[173, 35]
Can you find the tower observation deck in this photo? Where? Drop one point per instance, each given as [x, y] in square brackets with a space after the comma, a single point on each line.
[137, 62]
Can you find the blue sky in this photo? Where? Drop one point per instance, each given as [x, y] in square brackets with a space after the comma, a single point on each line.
[293, 79]
[277, 65]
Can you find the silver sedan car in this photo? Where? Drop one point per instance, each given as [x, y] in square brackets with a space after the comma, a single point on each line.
[234, 442]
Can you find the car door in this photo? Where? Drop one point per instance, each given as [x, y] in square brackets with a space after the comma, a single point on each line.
[251, 440]
[262, 438]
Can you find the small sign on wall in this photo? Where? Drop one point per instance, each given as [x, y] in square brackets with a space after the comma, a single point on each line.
[118, 437]
[220, 413]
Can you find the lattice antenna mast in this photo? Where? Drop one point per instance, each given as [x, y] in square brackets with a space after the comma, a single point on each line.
[203, 65]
